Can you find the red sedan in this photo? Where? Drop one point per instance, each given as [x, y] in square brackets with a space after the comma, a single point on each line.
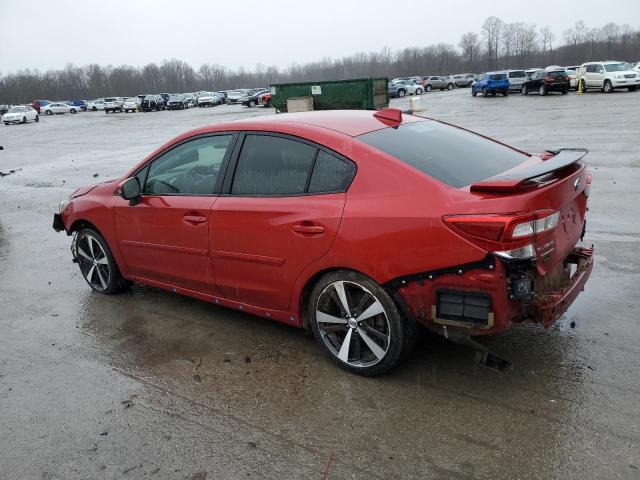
[357, 225]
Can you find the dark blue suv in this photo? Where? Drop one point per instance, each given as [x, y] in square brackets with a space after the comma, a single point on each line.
[491, 83]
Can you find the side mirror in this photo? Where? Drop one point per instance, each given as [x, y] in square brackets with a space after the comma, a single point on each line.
[130, 190]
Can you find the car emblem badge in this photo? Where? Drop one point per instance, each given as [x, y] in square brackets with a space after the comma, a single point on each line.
[576, 184]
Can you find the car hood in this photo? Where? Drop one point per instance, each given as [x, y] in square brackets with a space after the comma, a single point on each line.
[84, 190]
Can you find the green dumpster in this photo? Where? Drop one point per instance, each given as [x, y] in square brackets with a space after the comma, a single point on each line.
[353, 94]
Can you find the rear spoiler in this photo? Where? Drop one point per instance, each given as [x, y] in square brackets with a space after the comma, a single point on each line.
[511, 182]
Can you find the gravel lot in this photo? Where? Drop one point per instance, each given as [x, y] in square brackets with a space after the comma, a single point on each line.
[149, 384]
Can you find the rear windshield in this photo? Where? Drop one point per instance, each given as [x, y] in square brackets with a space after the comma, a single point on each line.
[453, 156]
[517, 74]
[557, 74]
[498, 76]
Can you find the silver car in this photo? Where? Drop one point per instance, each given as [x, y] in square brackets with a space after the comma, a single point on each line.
[435, 82]
[516, 78]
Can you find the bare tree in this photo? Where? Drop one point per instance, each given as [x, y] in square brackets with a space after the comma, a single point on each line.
[546, 40]
[491, 33]
[470, 46]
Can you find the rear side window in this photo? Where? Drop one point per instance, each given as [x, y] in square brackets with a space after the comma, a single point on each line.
[453, 156]
[270, 165]
[330, 174]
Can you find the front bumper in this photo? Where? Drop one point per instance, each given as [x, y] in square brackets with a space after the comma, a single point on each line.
[58, 224]
[625, 82]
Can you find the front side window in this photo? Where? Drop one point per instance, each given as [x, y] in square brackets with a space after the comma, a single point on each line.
[270, 165]
[191, 168]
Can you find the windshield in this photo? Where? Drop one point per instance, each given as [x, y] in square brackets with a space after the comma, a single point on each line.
[16, 110]
[452, 155]
[616, 67]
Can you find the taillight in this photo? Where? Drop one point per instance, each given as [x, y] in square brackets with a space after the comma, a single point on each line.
[549, 79]
[587, 189]
[511, 236]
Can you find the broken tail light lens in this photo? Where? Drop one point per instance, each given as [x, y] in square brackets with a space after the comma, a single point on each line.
[510, 236]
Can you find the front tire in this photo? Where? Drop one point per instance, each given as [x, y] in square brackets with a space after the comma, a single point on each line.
[473, 92]
[418, 91]
[37, 119]
[607, 87]
[524, 91]
[401, 93]
[358, 324]
[97, 265]
[73, 111]
[48, 112]
[428, 88]
[485, 93]
[24, 120]
[542, 90]
[450, 86]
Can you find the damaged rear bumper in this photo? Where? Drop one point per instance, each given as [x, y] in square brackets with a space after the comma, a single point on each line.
[485, 297]
[547, 308]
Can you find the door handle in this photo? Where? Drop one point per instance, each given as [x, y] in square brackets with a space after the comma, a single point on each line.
[309, 229]
[194, 219]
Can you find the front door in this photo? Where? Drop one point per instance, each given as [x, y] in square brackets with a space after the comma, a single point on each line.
[282, 212]
[165, 236]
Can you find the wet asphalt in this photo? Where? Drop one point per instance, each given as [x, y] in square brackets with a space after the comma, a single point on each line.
[149, 384]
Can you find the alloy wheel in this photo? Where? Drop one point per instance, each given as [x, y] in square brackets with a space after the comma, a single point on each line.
[93, 262]
[353, 324]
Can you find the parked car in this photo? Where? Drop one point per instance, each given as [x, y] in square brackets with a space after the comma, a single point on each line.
[131, 104]
[302, 232]
[491, 83]
[264, 99]
[177, 102]
[113, 104]
[252, 100]
[152, 102]
[463, 79]
[210, 99]
[20, 114]
[545, 82]
[81, 104]
[607, 76]
[516, 78]
[234, 96]
[97, 104]
[436, 82]
[165, 97]
[39, 104]
[406, 87]
[58, 108]
[573, 76]
[189, 100]
[531, 71]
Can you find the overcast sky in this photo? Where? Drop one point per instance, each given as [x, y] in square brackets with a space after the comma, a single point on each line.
[51, 33]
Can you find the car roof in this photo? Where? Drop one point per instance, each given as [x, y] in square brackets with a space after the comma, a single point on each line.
[347, 122]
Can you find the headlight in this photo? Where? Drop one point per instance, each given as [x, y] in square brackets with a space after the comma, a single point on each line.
[62, 205]
[619, 76]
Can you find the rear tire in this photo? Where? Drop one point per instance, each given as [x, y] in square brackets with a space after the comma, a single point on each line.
[450, 86]
[565, 91]
[633, 88]
[485, 93]
[37, 119]
[418, 91]
[370, 346]
[428, 88]
[583, 86]
[48, 112]
[542, 90]
[401, 93]
[97, 265]
[473, 92]
[24, 120]
[524, 91]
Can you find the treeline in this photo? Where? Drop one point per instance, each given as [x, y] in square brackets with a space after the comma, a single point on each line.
[498, 45]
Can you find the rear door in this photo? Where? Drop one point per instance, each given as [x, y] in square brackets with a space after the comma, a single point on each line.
[165, 236]
[281, 211]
